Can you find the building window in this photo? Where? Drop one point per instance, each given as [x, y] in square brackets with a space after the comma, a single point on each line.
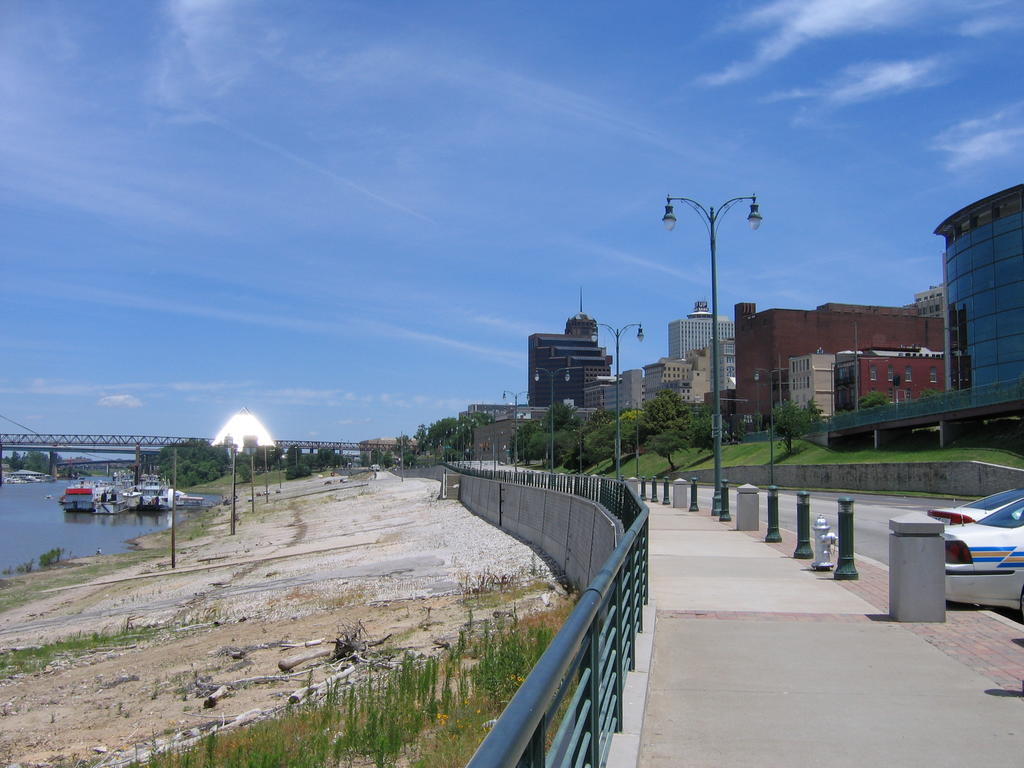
[890, 373]
[874, 373]
[933, 375]
[906, 373]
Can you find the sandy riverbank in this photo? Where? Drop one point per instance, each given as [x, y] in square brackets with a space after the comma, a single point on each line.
[311, 562]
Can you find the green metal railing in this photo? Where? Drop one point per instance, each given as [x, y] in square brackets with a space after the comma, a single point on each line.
[945, 402]
[575, 689]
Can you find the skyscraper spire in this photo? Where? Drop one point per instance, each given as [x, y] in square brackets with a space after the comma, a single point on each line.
[581, 299]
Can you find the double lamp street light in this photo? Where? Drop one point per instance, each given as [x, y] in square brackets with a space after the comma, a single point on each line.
[711, 218]
[552, 374]
[618, 379]
[515, 423]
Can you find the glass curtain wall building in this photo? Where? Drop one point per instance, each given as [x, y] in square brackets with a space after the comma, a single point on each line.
[984, 275]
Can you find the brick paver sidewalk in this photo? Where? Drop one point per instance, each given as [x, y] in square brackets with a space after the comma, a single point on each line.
[986, 642]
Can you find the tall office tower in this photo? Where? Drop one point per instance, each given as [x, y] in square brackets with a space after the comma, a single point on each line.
[694, 332]
[577, 350]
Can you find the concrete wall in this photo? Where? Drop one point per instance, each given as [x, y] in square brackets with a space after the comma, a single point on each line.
[577, 534]
[957, 478]
[431, 473]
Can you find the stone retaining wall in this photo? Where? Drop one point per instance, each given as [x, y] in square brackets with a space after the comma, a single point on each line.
[956, 478]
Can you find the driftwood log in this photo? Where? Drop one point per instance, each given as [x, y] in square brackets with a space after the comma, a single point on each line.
[351, 643]
[213, 698]
[290, 662]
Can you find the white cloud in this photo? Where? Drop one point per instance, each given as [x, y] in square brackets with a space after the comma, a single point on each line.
[869, 80]
[120, 401]
[981, 26]
[795, 23]
[980, 140]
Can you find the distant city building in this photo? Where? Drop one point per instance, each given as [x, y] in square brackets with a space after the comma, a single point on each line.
[494, 410]
[575, 349]
[901, 373]
[667, 373]
[632, 388]
[694, 332]
[931, 303]
[984, 276]
[768, 339]
[810, 378]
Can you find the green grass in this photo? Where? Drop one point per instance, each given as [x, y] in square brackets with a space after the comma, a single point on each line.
[426, 713]
[28, 660]
[21, 589]
[996, 442]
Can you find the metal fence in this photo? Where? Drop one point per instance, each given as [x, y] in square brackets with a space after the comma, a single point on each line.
[944, 402]
[565, 712]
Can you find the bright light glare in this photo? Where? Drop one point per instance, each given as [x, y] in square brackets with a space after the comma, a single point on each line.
[241, 426]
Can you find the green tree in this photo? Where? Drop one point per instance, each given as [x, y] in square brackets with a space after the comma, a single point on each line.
[666, 411]
[666, 443]
[198, 462]
[699, 431]
[792, 421]
[15, 461]
[929, 393]
[37, 461]
[873, 400]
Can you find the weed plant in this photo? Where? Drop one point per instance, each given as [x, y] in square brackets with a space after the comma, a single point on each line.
[33, 659]
[422, 713]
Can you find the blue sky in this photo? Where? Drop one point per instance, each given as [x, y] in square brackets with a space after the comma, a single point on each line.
[349, 216]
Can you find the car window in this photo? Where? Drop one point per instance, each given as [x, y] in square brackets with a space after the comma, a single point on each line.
[1011, 516]
[997, 499]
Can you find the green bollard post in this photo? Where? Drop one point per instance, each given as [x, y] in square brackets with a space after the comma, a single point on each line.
[845, 569]
[773, 534]
[693, 495]
[803, 526]
[724, 516]
[643, 488]
[664, 498]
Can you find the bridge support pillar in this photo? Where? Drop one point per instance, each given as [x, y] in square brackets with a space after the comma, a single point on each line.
[949, 431]
[52, 464]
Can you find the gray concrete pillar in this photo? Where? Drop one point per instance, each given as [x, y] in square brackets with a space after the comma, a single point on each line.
[679, 490]
[949, 431]
[748, 515]
[917, 568]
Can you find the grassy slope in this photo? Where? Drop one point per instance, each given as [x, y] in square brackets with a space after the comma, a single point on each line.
[1000, 442]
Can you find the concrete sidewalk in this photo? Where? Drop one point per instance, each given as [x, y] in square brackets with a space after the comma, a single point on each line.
[757, 660]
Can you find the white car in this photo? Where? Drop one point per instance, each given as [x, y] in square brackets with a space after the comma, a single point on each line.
[974, 511]
[985, 560]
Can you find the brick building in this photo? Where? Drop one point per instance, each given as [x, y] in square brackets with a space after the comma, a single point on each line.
[767, 339]
[899, 373]
[576, 349]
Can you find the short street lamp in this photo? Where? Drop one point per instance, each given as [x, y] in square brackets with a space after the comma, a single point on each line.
[618, 430]
[551, 403]
[711, 218]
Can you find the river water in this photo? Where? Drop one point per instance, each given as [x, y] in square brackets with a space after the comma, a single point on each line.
[31, 524]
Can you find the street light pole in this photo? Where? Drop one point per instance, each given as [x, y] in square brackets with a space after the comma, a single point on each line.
[551, 403]
[618, 430]
[771, 414]
[711, 218]
[515, 424]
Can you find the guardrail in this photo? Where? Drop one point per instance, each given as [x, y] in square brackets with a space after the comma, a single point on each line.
[944, 402]
[575, 689]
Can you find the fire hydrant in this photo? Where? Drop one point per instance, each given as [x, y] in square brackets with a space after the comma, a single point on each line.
[824, 540]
